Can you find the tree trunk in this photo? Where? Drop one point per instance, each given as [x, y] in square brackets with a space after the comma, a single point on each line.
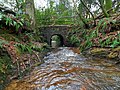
[30, 10]
[108, 4]
[80, 15]
[89, 11]
[102, 7]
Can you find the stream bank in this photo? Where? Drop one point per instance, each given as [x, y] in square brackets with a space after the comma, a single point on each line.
[23, 65]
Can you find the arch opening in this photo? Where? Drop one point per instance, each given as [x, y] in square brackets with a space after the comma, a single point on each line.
[56, 40]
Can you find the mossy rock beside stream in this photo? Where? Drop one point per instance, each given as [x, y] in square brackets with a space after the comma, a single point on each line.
[115, 53]
[99, 52]
[110, 53]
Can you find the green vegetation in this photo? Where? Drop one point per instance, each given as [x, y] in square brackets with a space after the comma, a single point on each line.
[102, 35]
[55, 14]
[18, 49]
[97, 27]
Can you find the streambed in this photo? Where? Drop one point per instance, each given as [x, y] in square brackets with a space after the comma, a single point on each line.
[66, 70]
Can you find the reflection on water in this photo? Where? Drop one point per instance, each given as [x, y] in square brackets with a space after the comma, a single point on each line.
[66, 70]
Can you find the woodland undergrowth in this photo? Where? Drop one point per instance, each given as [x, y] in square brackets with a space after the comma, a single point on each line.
[19, 52]
[105, 34]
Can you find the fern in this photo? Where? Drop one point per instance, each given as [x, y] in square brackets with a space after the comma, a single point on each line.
[12, 21]
[24, 47]
[34, 47]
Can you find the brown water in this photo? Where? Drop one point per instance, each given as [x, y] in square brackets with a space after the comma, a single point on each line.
[65, 70]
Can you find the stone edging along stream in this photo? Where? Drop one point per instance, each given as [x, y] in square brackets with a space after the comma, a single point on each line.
[109, 53]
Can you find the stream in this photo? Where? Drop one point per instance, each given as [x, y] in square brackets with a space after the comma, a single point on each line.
[64, 69]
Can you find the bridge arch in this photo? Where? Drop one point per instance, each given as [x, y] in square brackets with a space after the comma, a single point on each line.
[60, 30]
[58, 38]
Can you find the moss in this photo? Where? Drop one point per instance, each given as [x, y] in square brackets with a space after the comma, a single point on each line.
[117, 49]
[99, 50]
[113, 55]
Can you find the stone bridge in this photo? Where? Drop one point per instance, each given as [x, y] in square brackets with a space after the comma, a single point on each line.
[59, 30]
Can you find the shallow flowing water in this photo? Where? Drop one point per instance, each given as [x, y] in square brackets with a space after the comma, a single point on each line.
[66, 70]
